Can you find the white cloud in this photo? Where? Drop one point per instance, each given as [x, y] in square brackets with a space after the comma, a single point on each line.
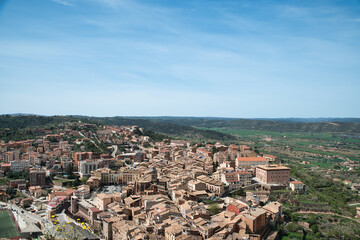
[63, 2]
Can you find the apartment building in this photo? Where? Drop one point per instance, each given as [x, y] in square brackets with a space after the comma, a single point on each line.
[203, 152]
[194, 185]
[249, 162]
[37, 178]
[19, 166]
[273, 174]
[270, 158]
[212, 185]
[296, 186]
[87, 166]
[236, 180]
[79, 156]
[66, 161]
[106, 176]
[10, 156]
[255, 220]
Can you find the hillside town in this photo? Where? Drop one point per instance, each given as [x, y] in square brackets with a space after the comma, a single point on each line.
[84, 181]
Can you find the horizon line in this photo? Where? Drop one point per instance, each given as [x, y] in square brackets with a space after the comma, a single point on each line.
[172, 116]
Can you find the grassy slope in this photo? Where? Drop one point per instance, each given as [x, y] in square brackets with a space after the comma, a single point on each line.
[320, 144]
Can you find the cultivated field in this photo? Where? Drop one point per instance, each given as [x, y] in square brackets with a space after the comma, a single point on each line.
[325, 150]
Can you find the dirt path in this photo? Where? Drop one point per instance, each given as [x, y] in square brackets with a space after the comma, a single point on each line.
[328, 213]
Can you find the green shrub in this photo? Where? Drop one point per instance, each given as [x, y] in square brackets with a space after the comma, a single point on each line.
[293, 227]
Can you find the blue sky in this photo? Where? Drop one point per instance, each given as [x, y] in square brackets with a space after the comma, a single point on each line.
[180, 58]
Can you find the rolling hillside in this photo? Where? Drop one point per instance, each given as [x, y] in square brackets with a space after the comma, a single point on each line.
[264, 125]
[171, 129]
[186, 127]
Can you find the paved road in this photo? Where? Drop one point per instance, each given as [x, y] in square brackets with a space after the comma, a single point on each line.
[73, 228]
[353, 204]
[94, 193]
[92, 141]
[115, 147]
[48, 224]
[49, 227]
[25, 193]
[96, 138]
[23, 211]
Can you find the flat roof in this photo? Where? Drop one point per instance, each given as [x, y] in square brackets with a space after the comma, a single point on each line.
[273, 167]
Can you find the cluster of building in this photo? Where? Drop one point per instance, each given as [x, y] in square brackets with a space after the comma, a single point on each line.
[171, 189]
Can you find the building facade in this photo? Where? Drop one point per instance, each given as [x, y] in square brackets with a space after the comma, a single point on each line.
[273, 174]
[236, 180]
[249, 162]
[87, 166]
[19, 166]
[37, 178]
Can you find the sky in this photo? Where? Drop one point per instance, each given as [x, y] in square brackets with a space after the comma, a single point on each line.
[224, 58]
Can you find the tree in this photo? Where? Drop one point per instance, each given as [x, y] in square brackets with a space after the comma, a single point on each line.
[215, 166]
[11, 192]
[293, 227]
[83, 180]
[315, 228]
[69, 171]
[138, 132]
[281, 229]
[312, 218]
[77, 182]
[239, 192]
[53, 139]
[26, 175]
[214, 209]
[18, 175]
[294, 217]
[214, 150]
[11, 175]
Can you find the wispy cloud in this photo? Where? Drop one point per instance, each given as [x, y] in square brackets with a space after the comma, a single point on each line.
[119, 4]
[63, 2]
[182, 51]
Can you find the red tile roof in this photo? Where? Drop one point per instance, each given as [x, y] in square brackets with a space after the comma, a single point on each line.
[296, 182]
[251, 159]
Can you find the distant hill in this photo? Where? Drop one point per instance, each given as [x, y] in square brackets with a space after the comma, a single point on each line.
[304, 120]
[284, 125]
[354, 120]
[172, 129]
[189, 127]
[23, 121]
[279, 126]
[168, 128]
